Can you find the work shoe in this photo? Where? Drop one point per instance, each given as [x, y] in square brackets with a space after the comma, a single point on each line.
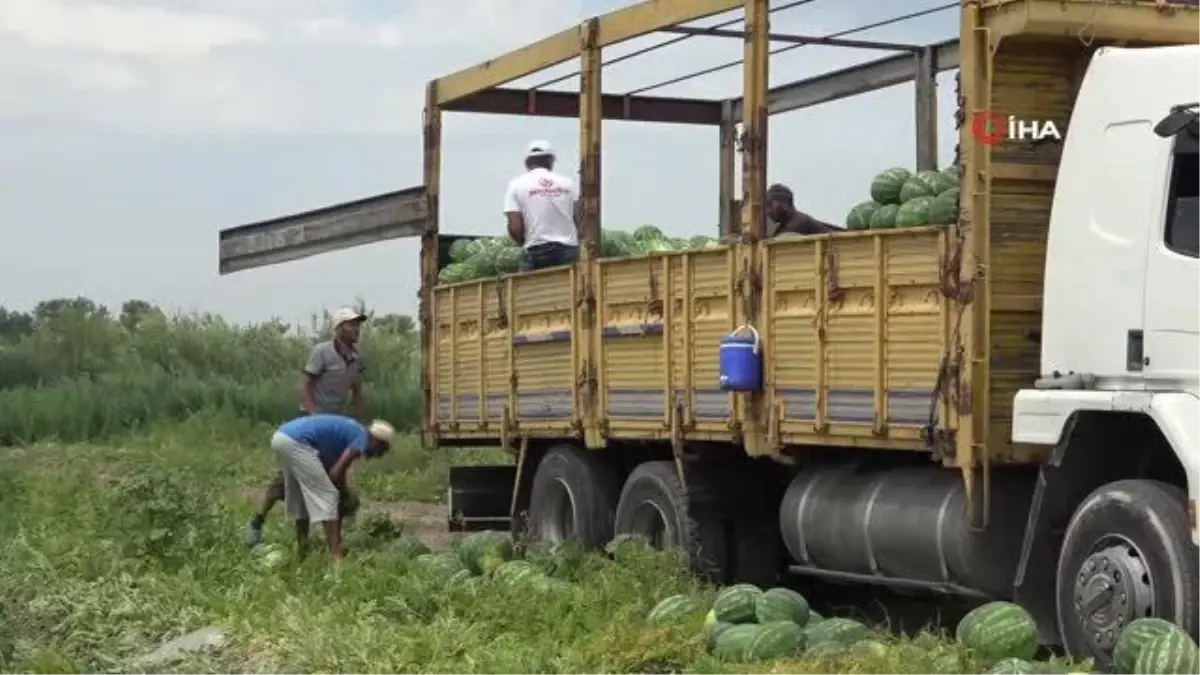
[253, 535]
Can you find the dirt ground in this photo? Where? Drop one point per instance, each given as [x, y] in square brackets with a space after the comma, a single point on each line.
[424, 520]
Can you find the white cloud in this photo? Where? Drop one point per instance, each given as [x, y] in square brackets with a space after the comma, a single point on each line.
[145, 31]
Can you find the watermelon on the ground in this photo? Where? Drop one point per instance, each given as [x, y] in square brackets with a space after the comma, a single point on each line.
[736, 604]
[998, 630]
[1169, 653]
[407, 547]
[914, 212]
[1134, 637]
[627, 548]
[915, 187]
[859, 217]
[943, 210]
[1013, 667]
[884, 217]
[515, 572]
[885, 188]
[647, 232]
[823, 650]
[673, 609]
[734, 643]
[439, 565]
[713, 630]
[814, 618]
[776, 640]
[840, 631]
[871, 649]
[482, 552]
[561, 559]
[781, 604]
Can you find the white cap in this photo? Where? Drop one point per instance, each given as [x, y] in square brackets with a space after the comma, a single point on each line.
[381, 430]
[539, 149]
[346, 314]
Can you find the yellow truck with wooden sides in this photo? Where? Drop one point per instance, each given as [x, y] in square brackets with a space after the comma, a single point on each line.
[1005, 407]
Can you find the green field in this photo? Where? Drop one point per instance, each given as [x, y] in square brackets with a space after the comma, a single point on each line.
[134, 444]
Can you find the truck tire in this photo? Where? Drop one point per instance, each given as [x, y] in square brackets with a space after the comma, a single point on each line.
[573, 496]
[1127, 553]
[655, 505]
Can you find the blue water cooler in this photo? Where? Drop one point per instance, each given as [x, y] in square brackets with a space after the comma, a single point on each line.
[740, 360]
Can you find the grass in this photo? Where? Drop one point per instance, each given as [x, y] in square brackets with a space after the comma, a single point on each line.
[135, 447]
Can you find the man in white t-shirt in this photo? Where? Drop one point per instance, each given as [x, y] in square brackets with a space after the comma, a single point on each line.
[541, 207]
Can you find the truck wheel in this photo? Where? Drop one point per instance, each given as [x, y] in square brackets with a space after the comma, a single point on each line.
[655, 505]
[573, 496]
[1126, 554]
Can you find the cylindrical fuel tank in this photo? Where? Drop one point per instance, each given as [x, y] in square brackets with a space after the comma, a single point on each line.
[906, 523]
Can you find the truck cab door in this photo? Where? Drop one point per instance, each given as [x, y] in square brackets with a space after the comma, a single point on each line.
[1171, 324]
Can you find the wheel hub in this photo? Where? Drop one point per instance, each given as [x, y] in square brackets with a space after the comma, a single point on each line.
[1113, 588]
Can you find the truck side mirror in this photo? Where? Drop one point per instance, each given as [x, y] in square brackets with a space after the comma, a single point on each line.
[1181, 117]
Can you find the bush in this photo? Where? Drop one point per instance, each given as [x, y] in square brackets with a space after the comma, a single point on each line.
[74, 372]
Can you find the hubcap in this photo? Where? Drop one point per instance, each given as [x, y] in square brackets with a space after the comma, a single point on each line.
[1113, 588]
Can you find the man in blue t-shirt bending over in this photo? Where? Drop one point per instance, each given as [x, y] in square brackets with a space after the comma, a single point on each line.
[314, 454]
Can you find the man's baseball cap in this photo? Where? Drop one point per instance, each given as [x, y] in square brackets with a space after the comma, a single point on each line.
[539, 149]
[381, 431]
[346, 314]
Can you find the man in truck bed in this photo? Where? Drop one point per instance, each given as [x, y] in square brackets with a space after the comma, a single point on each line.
[540, 206]
[785, 219]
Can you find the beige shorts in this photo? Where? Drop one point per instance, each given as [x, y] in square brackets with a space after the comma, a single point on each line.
[308, 494]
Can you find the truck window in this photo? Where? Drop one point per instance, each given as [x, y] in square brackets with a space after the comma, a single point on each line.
[1182, 232]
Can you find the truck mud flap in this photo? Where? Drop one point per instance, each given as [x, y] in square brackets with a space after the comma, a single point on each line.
[480, 498]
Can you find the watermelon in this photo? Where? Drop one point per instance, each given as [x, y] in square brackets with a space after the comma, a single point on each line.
[998, 630]
[628, 548]
[452, 273]
[859, 217]
[946, 179]
[948, 664]
[508, 260]
[1013, 667]
[943, 210]
[673, 609]
[482, 265]
[734, 642]
[885, 188]
[1171, 652]
[1134, 637]
[482, 552]
[781, 604]
[647, 232]
[776, 640]
[869, 649]
[439, 565]
[824, 650]
[407, 547]
[914, 212]
[515, 572]
[699, 241]
[884, 217]
[712, 631]
[839, 631]
[462, 249]
[814, 618]
[736, 604]
[558, 558]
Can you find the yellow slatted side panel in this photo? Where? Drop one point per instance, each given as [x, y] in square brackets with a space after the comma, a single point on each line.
[1031, 81]
[542, 342]
[856, 325]
[471, 348]
[633, 339]
[701, 287]
[443, 349]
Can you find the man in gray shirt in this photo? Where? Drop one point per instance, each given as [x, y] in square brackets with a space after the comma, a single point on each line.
[784, 218]
[331, 379]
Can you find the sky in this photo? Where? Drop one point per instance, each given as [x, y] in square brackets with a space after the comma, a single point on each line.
[133, 131]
